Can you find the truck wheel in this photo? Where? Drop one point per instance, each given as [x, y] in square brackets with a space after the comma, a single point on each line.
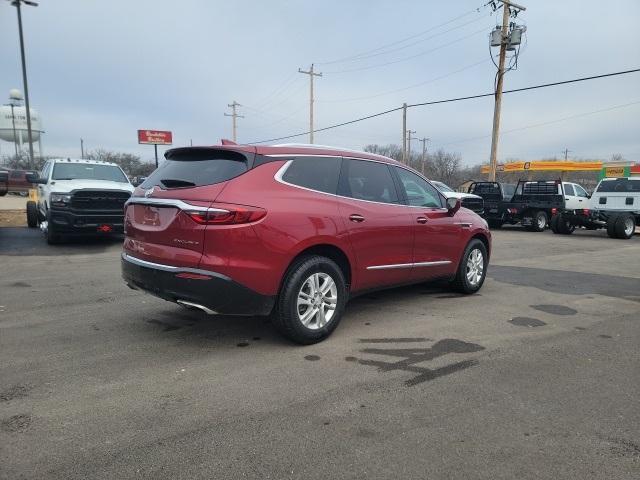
[311, 301]
[611, 226]
[32, 214]
[539, 221]
[564, 226]
[53, 238]
[625, 226]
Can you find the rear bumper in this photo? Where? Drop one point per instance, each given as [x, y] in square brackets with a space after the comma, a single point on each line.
[218, 293]
[70, 222]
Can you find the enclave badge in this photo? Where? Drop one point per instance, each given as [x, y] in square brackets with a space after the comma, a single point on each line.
[148, 193]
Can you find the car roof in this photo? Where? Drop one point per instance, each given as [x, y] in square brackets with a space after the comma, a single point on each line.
[293, 149]
[82, 160]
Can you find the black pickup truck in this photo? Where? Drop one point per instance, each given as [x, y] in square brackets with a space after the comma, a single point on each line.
[532, 204]
[4, 182]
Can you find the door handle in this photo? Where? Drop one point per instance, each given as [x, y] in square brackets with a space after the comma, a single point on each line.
[354, 217]
[422, 220]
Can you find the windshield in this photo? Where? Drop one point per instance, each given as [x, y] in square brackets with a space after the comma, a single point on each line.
[88, 171]
[621, 185]
[443, 187]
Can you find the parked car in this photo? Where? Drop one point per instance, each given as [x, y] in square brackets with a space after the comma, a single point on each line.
[79, 197]
[4, 182]
[473, 202]
[532, 204]
[293, 231]
[614, 205]
[19, 181]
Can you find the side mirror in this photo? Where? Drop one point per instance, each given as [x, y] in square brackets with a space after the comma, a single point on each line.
[33, 178]
[453, 205]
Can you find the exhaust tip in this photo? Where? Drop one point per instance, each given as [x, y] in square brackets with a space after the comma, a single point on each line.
[197, 306]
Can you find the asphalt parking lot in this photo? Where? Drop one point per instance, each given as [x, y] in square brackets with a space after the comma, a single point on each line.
[537, 376]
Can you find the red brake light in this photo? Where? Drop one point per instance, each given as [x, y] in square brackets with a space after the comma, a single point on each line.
[230, 215]
[554, 211]
[585, 212]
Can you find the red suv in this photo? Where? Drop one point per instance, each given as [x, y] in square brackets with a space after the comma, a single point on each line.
[293, 231]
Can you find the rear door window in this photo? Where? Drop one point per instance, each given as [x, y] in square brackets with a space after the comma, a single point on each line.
[365, 180]
[568, 189]
[195, 168]
[316, 173]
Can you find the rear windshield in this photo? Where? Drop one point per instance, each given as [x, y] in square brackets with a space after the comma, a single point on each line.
[197, 168]
[88, 171]
[619, 185]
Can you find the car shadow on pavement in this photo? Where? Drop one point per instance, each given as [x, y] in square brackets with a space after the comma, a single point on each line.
[23, 241]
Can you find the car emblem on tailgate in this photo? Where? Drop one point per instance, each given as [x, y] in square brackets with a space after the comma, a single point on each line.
[148, 193]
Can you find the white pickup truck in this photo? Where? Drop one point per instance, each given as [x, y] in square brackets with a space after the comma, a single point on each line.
[614, 205]
[79, 197]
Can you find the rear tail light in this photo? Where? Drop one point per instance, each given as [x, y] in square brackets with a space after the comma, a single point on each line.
[229, 215]
[554, 211]
[585, 212]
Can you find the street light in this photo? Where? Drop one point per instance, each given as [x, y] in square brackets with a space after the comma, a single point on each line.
[17, 4]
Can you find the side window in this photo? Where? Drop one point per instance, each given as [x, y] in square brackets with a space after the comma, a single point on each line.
[568, 189]
[364, 180]
[581, 192]
[420, 193]
[315, 173]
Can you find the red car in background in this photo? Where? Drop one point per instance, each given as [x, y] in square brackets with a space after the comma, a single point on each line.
[293, 231]
[18, 182]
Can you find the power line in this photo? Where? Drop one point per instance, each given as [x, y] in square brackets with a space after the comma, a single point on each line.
[411, 57]
[416, 85]
[406, 39]
[457, 99]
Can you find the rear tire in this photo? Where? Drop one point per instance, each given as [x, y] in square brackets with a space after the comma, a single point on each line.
[472, 269]
[311, 301]
[564, 226]
[539, 221]
[625, 226]
[611, 226]
[32, 214]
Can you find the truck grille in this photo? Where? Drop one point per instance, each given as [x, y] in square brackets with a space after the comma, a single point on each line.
[473, 204]
[99, 200]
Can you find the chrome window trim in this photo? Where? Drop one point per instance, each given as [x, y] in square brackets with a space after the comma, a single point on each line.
[170, 268]
[171, 202]
[409, 265]
[282, 170]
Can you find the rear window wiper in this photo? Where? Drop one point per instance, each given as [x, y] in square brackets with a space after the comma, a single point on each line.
[168, 182]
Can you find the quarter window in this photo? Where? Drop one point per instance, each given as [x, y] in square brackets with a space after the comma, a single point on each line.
[420, 193]
[316, 173]
[364, 180]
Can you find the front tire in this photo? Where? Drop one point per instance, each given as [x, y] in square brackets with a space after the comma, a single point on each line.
[53, 238]
[311, 301]
[472, 269]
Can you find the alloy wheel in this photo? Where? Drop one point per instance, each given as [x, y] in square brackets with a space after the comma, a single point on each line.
[475, 267]
[317, 301]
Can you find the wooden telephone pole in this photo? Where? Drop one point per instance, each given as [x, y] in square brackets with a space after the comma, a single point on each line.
[311, 74]
[234, 115]
[506, 12]
[424, 141]
[409, 138]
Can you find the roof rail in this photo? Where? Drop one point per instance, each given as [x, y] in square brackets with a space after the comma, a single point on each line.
[324, 147]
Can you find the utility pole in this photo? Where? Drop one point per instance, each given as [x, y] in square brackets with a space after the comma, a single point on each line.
[506, 12]
[404, 133]
[82, 148]
[311, 74]
[17, 4]
[409, 132]
[566, 154]
[424, 141]
[234, 115]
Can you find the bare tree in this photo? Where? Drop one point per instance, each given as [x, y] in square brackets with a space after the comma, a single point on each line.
[131, 164]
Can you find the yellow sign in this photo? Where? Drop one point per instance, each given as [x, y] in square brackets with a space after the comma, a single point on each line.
[547, 165]
[614, 172]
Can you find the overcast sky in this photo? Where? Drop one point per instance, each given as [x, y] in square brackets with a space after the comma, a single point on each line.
[100, 70]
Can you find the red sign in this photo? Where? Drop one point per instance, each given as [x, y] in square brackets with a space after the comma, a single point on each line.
[155, 137]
